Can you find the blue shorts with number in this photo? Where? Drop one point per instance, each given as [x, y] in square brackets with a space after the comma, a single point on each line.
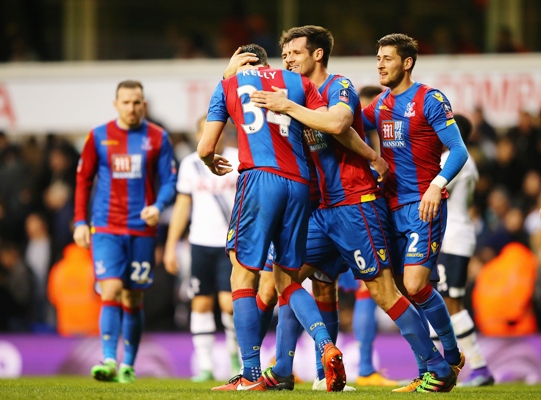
[414, 242]
[269, 208]
[354, 233]
[125, 257]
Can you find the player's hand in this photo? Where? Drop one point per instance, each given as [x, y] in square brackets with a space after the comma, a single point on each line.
[151, 215]
[81, 236]
[381, 167]
[237, 61]
[430, 203]
[220, 165]
[276, 101]
[170, 259]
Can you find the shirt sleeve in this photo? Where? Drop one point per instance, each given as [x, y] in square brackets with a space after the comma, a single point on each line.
[369, 117]
[167, 172]
[218, 106]
[342, 92]
[86, 170]
[185, 174]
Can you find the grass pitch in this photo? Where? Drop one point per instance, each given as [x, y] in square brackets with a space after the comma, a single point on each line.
[75, 388]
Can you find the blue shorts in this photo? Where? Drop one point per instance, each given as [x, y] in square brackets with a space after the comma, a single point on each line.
[269, 208]
[414, 242]
[354, 233]
[453, 274]
[125, 257]
[211, 271]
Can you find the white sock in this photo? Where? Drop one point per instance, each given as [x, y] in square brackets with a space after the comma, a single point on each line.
[230, 335]
[467, 339]
[203, 330]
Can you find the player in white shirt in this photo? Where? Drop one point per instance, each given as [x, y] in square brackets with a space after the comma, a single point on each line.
[207, 200]
[457, 248]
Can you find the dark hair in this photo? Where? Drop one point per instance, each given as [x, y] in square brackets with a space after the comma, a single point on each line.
[405, 45]
[259, 52]
[129, 84]
[464, 125]
[317, 37]
[370, 91]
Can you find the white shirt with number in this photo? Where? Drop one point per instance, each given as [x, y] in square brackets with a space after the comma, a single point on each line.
[212, 198]
[459, 236]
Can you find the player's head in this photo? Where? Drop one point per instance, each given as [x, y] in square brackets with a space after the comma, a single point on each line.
[259, 52]
[130, 104]
[368, 93]
[396, 54]
[464, 125]
[315, 41]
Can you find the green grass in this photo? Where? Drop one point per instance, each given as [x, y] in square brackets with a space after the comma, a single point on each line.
[75, 388]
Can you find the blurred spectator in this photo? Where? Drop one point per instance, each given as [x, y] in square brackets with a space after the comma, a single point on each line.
[16, 182]
[507, 168]
[503, 293]
[506, 43]
[260, 34]
[16, 290]
[71, 291]
[527, 139]
[483, 136]
[21, 51]
[38, 257]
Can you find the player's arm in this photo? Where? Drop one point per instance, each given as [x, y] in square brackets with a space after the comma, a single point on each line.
[458, 155]
[217, 164]
[167, 172]
[178, 224]
[86, 170]
[237, 61]
[322, 119]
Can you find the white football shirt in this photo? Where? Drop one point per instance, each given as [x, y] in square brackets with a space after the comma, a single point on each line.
[212, 198]
[459, 236]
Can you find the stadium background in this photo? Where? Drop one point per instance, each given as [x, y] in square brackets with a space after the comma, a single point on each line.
[61, 60]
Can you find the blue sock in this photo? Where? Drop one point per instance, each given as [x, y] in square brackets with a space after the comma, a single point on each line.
[433, 305]
[110, 323]
[421, 364]
[329, 313]
[132, 330]
[365, 328]
[287, 333]
[248, 328]
[266, 314]
[305, 309]
[406, 318]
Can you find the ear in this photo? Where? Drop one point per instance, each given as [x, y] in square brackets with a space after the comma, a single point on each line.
[318, 53]
[408, 63]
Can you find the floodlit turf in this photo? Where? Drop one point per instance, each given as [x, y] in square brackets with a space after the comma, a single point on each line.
[75, 388]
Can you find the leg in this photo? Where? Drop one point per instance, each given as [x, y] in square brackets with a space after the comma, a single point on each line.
[226, 306]
[132, 330]
[203, 330]
[110, 326]
[305, 309]
[417, 283]
[385, 293]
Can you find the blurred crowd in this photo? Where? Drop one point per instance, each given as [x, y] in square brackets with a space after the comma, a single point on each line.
[37, 181]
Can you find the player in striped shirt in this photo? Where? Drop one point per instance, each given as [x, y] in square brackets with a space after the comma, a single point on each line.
[127, 155]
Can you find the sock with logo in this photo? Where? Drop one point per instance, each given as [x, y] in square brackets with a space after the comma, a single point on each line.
[110, 325]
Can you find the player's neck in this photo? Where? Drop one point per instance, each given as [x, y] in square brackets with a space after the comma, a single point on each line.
[122, 125]
[319, 76]
[404, 85]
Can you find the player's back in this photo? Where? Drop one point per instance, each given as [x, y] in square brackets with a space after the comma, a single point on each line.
[269, 140]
